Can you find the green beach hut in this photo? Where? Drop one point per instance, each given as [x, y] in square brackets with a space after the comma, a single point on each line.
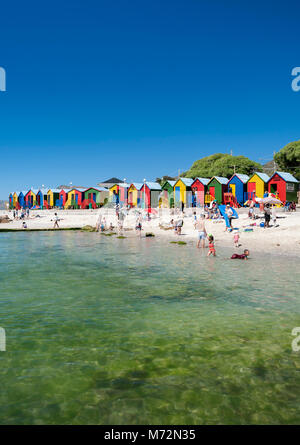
[166, 198]
[216, 187]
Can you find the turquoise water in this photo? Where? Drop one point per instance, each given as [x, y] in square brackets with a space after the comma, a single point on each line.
[108, 331]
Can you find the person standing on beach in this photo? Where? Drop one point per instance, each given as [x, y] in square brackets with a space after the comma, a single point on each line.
[229, 214]
[56, 219]
[200, 226]
[267, 216]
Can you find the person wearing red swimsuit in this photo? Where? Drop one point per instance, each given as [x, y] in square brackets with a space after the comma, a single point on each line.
[211, 246]
[242, 256]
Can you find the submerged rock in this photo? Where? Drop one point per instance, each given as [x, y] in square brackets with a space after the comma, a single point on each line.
[88, 229]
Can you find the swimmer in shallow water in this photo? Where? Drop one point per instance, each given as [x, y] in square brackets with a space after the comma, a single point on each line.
[211, 245]
[243, 256]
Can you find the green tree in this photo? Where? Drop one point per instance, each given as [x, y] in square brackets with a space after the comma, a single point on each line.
[288, 158]
[221, 164]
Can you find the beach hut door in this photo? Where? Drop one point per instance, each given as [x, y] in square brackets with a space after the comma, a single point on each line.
[177, 195]
[232, 186]
[212, 192]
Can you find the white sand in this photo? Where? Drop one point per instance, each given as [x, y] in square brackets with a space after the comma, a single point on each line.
[284, 239]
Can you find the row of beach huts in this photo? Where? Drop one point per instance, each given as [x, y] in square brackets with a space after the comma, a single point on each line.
[188, 192]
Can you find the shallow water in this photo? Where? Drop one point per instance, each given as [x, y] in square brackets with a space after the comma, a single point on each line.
[108, 331]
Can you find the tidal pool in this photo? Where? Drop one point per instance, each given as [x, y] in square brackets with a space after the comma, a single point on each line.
[102, 330]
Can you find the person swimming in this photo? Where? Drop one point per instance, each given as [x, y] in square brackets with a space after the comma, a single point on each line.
[242, 256]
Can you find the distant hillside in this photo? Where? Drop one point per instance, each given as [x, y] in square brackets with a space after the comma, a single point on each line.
[3, 205]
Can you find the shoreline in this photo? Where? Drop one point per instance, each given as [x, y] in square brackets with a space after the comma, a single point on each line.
[283, 240]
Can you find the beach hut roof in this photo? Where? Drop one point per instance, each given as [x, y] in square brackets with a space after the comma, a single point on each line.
[96, 187]
[204, 181]
[153, 185]
[243, 178]
[124, 185]
[54, 190]
[137, 185]
[220, 179]
[186, 181]
[262, 176]
[286, 176]
[78, 189]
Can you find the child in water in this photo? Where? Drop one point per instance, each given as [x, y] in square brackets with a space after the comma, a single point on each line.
[243, 256]
[211, 246]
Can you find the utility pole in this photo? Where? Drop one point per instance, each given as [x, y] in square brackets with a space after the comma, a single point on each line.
[179, 173]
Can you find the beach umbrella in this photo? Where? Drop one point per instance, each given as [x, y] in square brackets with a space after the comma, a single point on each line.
[268, 200]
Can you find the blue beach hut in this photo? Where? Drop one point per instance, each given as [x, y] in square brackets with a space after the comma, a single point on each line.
[21, 198]
[237, 185]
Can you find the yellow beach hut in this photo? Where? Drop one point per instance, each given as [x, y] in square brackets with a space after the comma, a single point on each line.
[114, 193]
[183, 192]
[134, 197]
[257, 185]
[15, 200]
[52, 197]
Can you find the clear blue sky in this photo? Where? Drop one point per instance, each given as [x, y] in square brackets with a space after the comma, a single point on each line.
[138, 89]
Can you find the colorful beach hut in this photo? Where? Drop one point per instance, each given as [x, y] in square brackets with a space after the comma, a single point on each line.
[198, 189]
[183, 192]
[123, 193]
[15, 200]
[41, 198]
[63, 196]
[10, 201]
[284, 185]
[75, 198]
[134, 194]
[257, 185]
[94, 197]
[30, 198]
[166, 197]
[53, 197]
[237, 186]
[21, 198]
[114, 193]
[150, 192]
[216, 188]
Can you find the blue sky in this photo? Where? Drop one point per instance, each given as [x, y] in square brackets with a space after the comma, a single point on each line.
[139, 89]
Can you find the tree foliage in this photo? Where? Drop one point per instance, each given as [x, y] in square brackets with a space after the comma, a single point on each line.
[165, 178]
[221, 164]
[288, 158]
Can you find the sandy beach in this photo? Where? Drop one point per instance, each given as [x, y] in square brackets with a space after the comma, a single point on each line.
[283, 239]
